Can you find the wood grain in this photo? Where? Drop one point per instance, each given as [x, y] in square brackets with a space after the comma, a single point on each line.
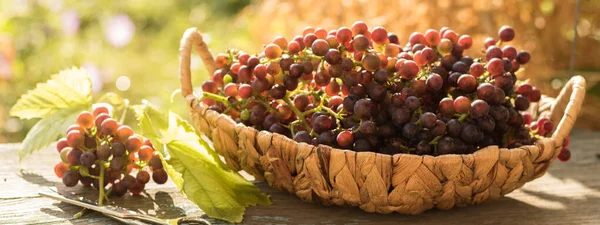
[568, 194]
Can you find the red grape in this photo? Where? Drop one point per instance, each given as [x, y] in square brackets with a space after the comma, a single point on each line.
[462, 104]
[272, 51]
[506, 33]
[345, 139]
[465, 41]
[379, 35]
[60, 169]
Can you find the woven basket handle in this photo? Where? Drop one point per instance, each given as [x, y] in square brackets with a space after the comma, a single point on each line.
[192, 37]
[566, 107]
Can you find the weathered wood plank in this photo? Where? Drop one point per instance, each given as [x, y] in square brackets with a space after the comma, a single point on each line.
[568, 194]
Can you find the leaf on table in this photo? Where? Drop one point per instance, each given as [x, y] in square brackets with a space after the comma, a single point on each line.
[66, 90]
[220, 192]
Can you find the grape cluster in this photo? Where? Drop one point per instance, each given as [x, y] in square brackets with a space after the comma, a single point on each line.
[99, 146]
[359, 89]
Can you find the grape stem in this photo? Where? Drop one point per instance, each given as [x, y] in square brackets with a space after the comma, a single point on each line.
[216, 97]
[80, 213]
[101, 186]
[435, 140]
[463, 117]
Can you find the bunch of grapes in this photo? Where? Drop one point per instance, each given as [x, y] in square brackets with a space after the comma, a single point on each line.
[98, 150]
[359, 89]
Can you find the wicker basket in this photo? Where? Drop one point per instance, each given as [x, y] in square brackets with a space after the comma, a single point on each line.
[375, 182]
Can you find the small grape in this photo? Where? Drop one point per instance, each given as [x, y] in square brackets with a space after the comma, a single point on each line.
[446, 145]
[361, 43]
[159, 176]
[371, 62]
[417, 38]
[412, 103]
[137, 188]
[471, 134]
[344, 34]
[132, 144]
[332, 89]
[479, 108]
[462, 104]
[70, 178]
[333, 57]
[118, 149]
[322, 123]
[435, 82]
[345, 139]
[460, 67]
[117, 163]
[467, 83]
[454, 128]
[489, 42]
[465, 41]
[64, 154]
[100, 108]
[564, 155]
[485, 92]
[61, 144]
[60, 169]
[428, 120]
[155, 162]
[73, 156]
[145, 152]
[523, 57]
[368, 127]
[302, 136]
[124, 132]
[362, 108]
[439, 128]
[379, 35]
[409, 70]
[362, 145]
[109, 127]
[85, 120]
[535, 95]
[142, 177]
[495, 66]
[432, 37]
[103, 152]
[521, 103]
[87, 159]
[506, 33]
[75, 138]
[446, 106]
[445, 46]
[272, 51]
[393, 38]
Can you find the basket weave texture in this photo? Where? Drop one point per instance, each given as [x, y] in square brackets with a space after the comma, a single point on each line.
[375, 182]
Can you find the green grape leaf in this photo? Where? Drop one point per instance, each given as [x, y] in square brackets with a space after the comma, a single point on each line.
[64, 91]
[57, 102]
[46, 131]
[191, 163]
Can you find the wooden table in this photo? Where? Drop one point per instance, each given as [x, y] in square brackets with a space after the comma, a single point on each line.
[568, 194]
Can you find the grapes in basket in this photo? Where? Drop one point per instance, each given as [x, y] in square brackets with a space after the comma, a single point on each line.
[361, 89]
[98, 150]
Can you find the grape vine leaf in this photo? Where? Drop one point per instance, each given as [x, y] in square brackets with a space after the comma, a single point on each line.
[66, 90]
[191, 163]
[57, 102]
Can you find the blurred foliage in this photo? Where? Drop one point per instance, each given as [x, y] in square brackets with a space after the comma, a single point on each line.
[133, 44]
[127, 44]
